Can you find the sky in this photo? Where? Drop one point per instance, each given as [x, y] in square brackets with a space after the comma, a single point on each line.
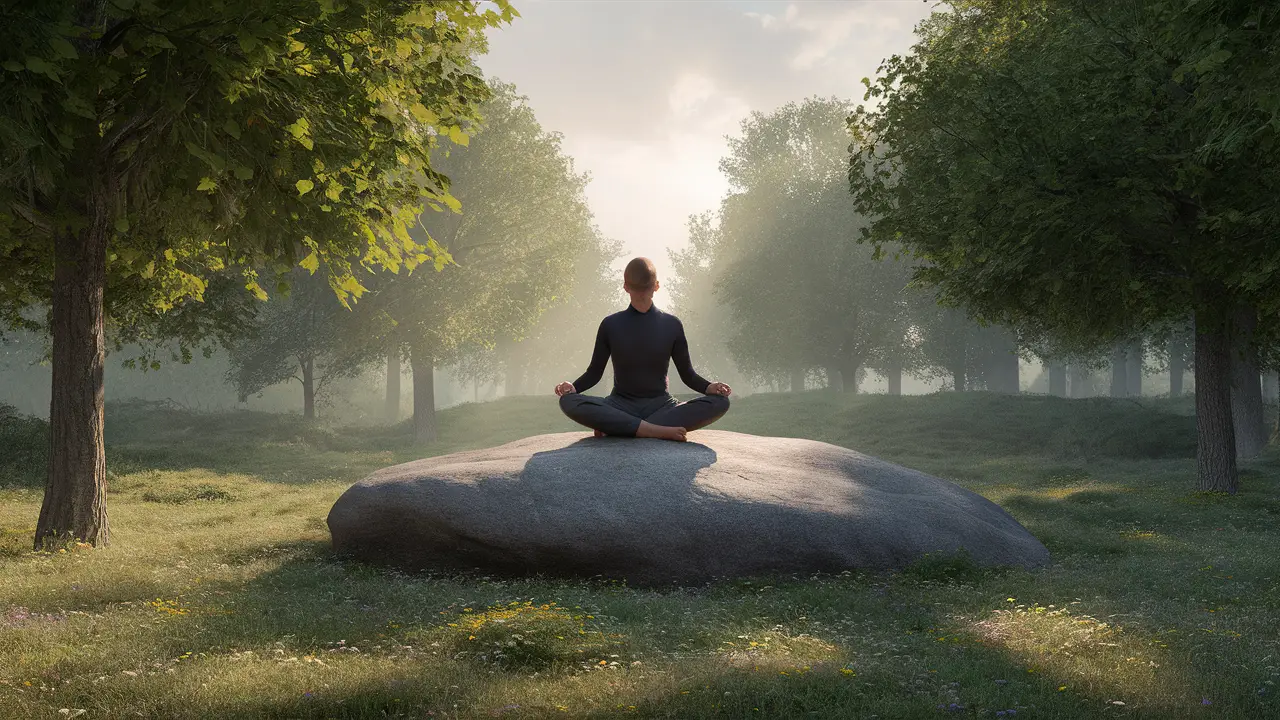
[645, 91]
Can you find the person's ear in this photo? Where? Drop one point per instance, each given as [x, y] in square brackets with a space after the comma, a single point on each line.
[656, 285]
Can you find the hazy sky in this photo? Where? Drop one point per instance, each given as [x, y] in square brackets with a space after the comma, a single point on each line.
[645, 91]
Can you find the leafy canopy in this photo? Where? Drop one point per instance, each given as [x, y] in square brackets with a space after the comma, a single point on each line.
[210, 136]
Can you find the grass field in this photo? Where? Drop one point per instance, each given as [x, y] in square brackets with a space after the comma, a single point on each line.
[219, 597]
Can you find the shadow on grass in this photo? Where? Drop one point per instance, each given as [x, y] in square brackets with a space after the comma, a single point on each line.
[311, 605]
[906, 641]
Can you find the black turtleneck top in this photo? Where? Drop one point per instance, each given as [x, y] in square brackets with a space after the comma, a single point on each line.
[640, 345]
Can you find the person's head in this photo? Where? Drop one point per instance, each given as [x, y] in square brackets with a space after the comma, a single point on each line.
[640, 280]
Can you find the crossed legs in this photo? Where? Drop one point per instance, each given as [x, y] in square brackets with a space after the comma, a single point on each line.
[669, 420]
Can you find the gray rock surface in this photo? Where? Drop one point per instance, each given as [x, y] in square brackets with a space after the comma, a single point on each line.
[724, 504]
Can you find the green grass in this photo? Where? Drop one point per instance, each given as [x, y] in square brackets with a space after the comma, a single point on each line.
[219, 596]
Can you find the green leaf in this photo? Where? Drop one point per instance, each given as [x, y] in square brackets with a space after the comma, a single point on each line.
[232, 128]
[454, 203]
[63, 48]
[422, 114]
[311, 262]
[122, 224]
[299, 128]
[242, 172]
[458, 136]
[305, 186]
[12, 66]
[348, 62]
[207, 184]
[1212, 61]
[248, 43]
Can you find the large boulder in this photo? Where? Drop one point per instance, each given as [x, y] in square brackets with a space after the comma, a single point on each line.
[651, 511]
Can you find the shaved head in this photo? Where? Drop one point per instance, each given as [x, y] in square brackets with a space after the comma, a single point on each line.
[640, 274]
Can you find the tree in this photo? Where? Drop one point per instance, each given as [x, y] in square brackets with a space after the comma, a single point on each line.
[801, 292]
[307, 336]
[695, 273]
[524, 223]
[559, 344]
[1085, 194]
[147, 145]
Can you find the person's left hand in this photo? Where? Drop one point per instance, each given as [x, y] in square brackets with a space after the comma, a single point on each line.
[719, 388]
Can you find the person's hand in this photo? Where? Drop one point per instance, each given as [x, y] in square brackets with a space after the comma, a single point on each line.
[719, 388]
[565, 388]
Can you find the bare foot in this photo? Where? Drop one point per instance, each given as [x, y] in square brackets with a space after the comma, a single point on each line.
[599, 434]
[662, 432]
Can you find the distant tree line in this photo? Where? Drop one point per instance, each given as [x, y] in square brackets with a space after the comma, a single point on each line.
[1101, 177]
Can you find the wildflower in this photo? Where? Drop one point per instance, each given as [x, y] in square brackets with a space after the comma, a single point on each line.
[1061, 688]
[1205, 701]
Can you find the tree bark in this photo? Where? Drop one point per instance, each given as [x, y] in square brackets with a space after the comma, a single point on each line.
[1119, 371]
[424, 395]
[1177, 368]
[391, 410]
[1247, 416]
[1216, 469]
[849, 378]
[893, 376]
[835, 379]
[1058, 379]
[308, 389]
[797, 380]
[75, 497]
[1133, 366]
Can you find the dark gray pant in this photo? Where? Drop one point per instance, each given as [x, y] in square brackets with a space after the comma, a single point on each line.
[615, 415]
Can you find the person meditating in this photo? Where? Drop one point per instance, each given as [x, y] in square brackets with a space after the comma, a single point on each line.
[641, 340]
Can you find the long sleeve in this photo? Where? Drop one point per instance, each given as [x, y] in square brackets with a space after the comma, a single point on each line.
[680, 356]
[599, 357]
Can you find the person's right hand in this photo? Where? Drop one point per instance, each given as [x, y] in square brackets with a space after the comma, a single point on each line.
[565, 388]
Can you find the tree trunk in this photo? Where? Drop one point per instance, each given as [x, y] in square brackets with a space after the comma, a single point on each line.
[849, 378]
[391, 410]
[75, 496]
[1177, 368]
[1215, 435]
[835, 379]
[1058, 379]
[1119, 371]
[893, 376]
[308, 389]
[958, 378]
[424, 395]
[797, 380]
[1246, 388]
[1133, 366]
[1080, 381]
